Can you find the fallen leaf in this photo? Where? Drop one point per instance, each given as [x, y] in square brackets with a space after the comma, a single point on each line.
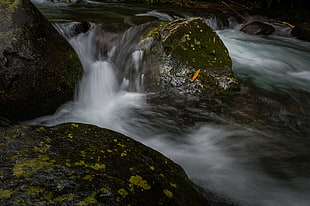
[290, 25]
[195, 75]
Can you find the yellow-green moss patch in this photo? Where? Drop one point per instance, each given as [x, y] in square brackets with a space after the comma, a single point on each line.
[97, 166]
[168, 193]
[138, 181]
[35, 190]
[88, 200]
[64, 198]
[5, 194]
[122, 192]
[25, 167]
[173, 185]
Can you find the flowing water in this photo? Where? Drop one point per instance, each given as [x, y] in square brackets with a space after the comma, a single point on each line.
[254, 151]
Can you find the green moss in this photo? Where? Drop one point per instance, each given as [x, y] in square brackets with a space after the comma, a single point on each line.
[25, 167]
[74, 125]
[97, 166]
[5, 194]
[168, 193]
[88, 200]
[80, 163]
[121, 145]
[122, 192]
[88, 177]
[17, 202]
[47, 196]
[138, 181]
[11, 5]
[173, 185]
[124, 153]
[42, 147]
[204, 46]
[83, 153]
[35, 190]
[104, 190]
[64, 198]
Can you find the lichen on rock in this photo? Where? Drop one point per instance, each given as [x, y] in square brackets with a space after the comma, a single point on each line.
[182, 47]
[80, 171]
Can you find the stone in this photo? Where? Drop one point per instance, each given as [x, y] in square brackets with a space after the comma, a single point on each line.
[257, 28]
[183, 47]
[79, 164]
[38, 68]
[73, 29]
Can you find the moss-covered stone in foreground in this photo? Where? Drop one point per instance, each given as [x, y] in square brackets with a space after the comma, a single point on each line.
[77, 164]
[182, 47]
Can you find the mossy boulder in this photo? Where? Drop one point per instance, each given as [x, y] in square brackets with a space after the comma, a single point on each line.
[78, 164]
[38, 67]
[183, 47]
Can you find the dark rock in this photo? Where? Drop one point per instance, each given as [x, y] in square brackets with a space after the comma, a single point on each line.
[257, 28]
[302, 31]
[73, 29]
[77, 164]
[183, 47]
[38, 67]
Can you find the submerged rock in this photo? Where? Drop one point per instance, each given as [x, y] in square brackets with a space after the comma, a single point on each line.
[38, 67]
[257, 28]
[73, 29]
[183, 47]
[78, 164]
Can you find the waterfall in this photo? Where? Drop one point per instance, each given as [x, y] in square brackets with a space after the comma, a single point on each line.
[111, 78]
[98, 88]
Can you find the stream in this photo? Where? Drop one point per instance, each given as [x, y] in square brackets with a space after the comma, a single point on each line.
[253, 151]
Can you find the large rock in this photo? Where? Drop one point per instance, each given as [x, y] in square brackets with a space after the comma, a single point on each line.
[77, 164]
[257, 28]
[183, 47]
[38, 67]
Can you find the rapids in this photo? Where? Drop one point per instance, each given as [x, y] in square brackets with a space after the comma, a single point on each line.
[258, 157]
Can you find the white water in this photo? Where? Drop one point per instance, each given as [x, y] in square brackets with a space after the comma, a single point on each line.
[273, 63]
[225, 158]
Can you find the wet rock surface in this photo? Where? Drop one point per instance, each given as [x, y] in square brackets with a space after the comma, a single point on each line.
[73, 29]
[38, 67]
[193, 60]
[257, 28]
[78, 164]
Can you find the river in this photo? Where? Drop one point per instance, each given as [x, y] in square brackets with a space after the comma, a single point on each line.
[254, 151]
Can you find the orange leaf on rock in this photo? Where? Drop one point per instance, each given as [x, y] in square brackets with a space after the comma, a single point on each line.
[195, 75]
